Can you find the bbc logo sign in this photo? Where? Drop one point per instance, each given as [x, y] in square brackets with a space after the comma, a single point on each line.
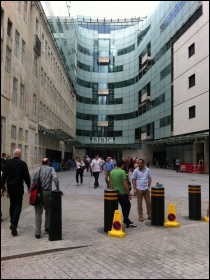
[102, 140]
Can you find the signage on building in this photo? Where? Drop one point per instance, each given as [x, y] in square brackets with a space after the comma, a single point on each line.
[102, 140]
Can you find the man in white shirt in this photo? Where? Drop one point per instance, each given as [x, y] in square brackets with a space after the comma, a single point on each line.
[96, 168]
[142, 180]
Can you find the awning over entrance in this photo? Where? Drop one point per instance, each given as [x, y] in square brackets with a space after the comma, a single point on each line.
[73, 142]
[59, 133]
[181, 138]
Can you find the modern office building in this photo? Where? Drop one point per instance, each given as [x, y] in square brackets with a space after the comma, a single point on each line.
[141, 84]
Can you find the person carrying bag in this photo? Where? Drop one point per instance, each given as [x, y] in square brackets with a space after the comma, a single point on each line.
[47, 174]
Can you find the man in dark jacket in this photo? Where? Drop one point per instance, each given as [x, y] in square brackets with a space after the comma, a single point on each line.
[15, 173]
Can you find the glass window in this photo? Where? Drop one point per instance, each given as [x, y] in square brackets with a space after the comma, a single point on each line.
[17, 42]
[9, 28]
[22, 97]
[191, 112]
[23, 52]
[191, 50]
[15, 90]
[192, 81]
[8, 59]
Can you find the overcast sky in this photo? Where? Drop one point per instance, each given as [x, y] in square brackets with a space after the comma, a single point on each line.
[101, 9]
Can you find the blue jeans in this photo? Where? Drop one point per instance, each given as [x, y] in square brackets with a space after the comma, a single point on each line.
[96, 176]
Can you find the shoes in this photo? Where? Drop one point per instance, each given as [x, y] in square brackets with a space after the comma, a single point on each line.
[37, 236]
[13, 230]
[77, 185]
[141, 219]
[47, 230]
[131, 225]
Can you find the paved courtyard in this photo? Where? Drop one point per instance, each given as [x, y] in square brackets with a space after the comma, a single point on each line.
[87, 252]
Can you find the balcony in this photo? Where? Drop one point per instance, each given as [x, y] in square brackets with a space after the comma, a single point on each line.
[103, 60]
[144, 136]
[37, 45]
[102, 123]
[145, 97]
[103, 91]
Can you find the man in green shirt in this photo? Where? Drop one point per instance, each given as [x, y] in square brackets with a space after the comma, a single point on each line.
[118, 182]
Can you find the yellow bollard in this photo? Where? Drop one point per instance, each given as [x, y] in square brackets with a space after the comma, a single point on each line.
[116, 230]
[171, 218]
[206, 218]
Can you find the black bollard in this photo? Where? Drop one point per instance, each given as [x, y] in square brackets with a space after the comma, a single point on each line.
[157, 206]
[55, 232]
[110, 205]
[194, 194]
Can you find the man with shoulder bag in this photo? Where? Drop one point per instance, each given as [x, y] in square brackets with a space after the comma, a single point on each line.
[47, 174]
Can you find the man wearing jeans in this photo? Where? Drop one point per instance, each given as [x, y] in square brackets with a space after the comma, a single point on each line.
[47, 175]
[142, 180]
[96, 168]
[118, 182]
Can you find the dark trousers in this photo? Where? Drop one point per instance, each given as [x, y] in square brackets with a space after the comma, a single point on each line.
[79, 173]
[16, 200]
[126, 207]
[96, 176]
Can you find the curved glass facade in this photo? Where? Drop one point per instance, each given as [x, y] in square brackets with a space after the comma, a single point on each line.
[122, 72]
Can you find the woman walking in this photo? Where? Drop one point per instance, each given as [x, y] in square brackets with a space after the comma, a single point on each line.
[80, 168]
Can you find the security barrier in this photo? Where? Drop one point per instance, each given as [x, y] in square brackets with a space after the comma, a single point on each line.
[194, 194]
[157, 206]
[110, 205]
[192, 168]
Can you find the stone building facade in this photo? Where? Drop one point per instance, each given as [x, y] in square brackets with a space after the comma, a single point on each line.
[38, 101]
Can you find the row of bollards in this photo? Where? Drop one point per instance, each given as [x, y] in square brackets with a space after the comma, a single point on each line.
[157, 206]
[111, 204]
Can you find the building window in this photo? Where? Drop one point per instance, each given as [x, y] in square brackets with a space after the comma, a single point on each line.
[192, 112]
[34, 105]
[35, 65]
[42, 77]
[22, 97]
[23, 53]
[13, 146]
[18, 5]
[13, 132]
[37, 27]
[191, 50]
[9, 28]
[8, 59]
[15, 90]
[17, 42]
[25, 11]
[25, 152]
[26, 135]
[20, 134]
[192, 81]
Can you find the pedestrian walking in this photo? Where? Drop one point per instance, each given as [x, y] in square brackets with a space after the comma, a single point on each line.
[96, 168]
[47, 175]
[108, 167]
[3, 159]
[15, 173]
[80, 166]
[177, 163]
[118, 182]
[142, 180]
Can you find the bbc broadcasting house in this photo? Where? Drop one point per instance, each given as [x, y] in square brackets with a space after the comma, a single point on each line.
[117, 87]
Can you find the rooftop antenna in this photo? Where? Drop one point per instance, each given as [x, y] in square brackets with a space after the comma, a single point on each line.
[68, 4]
